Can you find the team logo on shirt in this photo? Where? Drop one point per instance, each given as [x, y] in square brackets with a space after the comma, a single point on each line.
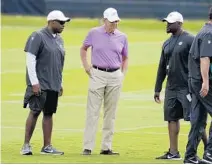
[209, 41]
[32, 38]
[180, 43]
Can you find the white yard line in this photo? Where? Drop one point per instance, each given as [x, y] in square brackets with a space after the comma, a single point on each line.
[163, 133]
[124, 130]
[62, 104]
[81, 130]
[124, 94]
[78, 46]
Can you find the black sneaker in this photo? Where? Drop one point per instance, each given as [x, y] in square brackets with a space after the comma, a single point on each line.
[49, 150]
[207, 158]
[194, 160]
[86, 152]
[108, 152]
[26, 150]
[169, 156]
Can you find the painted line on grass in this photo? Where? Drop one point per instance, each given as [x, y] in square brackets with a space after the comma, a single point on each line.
[78, 46]
[163, 133]
[123, 93]
[124, 130]
[62, 104]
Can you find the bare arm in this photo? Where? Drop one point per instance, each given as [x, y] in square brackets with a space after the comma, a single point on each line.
[124, 64]
[83, 55]
[204, 68]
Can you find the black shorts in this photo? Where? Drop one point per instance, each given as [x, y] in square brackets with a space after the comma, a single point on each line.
[46, 102]
[176, 105]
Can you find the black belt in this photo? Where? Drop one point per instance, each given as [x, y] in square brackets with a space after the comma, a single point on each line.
[106, 69]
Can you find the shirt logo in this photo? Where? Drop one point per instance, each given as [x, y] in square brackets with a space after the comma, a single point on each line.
[32, 38]
[170, 157]
[208, 154]
[209, 41]
[167, 67]
[180, 43]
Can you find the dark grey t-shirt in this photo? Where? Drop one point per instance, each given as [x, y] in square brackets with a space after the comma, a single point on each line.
[174, 62]
[49, 52]
[201, 47]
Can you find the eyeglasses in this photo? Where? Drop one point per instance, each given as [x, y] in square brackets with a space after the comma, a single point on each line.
[60, 22]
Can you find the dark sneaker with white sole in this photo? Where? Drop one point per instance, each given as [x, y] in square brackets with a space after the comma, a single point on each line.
[169, 156]
[49, 150]
[194, 160]
[207, 158]
[26, 150]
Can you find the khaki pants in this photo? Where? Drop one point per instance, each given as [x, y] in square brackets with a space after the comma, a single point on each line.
[103, 86]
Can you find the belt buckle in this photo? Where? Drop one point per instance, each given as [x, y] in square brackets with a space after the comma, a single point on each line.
[107, 69]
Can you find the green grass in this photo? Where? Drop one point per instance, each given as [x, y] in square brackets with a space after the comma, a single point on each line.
[141, 133]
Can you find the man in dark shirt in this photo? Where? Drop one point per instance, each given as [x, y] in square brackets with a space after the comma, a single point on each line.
[45, 60]
[200, 71]
[174, 64]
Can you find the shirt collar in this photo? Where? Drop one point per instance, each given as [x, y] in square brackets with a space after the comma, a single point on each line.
[208, 24]
[50, 33]
[104, 31]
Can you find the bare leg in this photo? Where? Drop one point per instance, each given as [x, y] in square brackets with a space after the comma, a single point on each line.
[174, 128]
[47, 129]
[30, 125]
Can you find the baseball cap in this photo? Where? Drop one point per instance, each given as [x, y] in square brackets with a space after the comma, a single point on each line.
[111, 14]
[173, 17]
[57, 15]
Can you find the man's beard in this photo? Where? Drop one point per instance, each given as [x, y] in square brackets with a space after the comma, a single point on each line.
[55, 31]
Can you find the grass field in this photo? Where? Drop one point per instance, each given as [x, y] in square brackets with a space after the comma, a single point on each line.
[141, 133]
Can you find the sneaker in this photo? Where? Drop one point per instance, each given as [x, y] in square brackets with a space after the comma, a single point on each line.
[207, 158]
[108, 152]
[26, 150]
[194, 160]
[49, 150]
[86, 152]
[169, 156]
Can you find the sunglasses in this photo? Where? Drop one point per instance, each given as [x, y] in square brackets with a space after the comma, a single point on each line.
[60, 22]
[114, 22]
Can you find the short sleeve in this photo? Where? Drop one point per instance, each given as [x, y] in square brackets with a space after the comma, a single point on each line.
[206, 46]
[125, 48]
[88, 40]
[33, 44]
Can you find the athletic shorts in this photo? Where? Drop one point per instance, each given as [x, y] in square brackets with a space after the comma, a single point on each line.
[46, 102]
[176, 105]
